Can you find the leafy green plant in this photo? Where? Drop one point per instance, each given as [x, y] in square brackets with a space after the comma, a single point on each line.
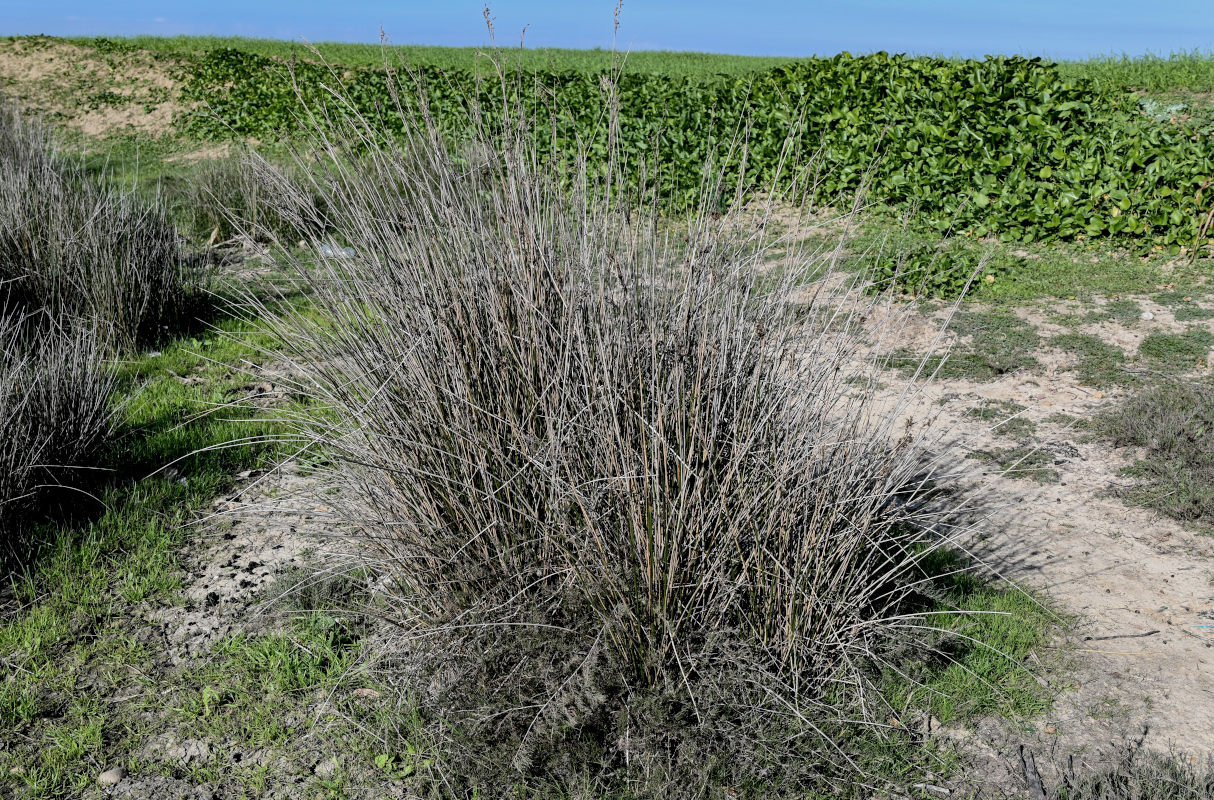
[1004, 146]
[932, 270]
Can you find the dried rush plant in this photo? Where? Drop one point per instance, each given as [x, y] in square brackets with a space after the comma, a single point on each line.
[639, 517]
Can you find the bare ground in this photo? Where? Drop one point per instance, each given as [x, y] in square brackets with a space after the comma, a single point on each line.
[95, 93]
[1137, 664]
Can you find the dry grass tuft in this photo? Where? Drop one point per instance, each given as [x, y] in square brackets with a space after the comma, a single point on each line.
[638, 523]
[79, 248]
[55, 411]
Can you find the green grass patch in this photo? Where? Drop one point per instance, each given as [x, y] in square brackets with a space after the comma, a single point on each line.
[1178, 352]
[1123, 312]
[1193, 313]
[1098, 363]
[987, 632]
[68, 642]
[999, 343]
[242, 691]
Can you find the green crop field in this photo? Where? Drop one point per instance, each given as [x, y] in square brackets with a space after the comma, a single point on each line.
[550, 59]
[1009, 147]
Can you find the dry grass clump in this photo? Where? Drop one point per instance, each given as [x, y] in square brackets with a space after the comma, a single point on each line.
[1141, 775]
[83, 249]
[1174, 424]
[223, 198]
[55, 412]
[640, 527]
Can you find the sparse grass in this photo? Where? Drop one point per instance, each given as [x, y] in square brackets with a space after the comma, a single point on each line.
[1022, 272]
[1124, 312]
[1175, 423]
[1028, 461]
[1193, 313]
[1177, 353]
[1098, 363]
[1005, 417]
[999, 343]
[67, 640]
[1140, 775]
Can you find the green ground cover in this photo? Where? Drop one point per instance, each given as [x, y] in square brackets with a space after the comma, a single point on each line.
[1057, 160]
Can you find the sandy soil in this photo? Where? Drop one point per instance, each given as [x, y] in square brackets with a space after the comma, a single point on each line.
[98, 94]
[1137, 665]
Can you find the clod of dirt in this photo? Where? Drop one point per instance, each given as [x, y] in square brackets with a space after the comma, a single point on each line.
[112, 777]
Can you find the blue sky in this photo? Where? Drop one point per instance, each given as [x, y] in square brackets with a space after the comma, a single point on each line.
[1057, 28]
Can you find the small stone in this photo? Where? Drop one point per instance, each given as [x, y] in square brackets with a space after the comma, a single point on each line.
[1147, 316]
[112, 777]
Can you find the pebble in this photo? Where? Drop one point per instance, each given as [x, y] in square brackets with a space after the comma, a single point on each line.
[1147, 316]
[111, 777]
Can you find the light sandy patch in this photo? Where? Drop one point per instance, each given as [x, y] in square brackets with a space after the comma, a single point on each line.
[1138, 665]
[98, 94]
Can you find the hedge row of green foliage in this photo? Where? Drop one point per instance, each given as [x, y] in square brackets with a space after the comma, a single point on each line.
[1002, 146]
